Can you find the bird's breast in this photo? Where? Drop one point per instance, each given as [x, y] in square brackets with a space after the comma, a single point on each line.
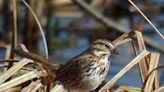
[97, 73]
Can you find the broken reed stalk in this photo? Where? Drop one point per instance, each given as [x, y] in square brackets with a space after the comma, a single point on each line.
[154, 60]
[19, 80]
[147, 77]
[31, 86]
[12, 70]
[147, 19]
[23, 47]
[140, 63]
[40, 28]
[126, 37]
[143, 66]
[161, 89]
[124, 70]
[36, 87]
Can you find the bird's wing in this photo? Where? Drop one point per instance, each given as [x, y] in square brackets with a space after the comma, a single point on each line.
[73, 68]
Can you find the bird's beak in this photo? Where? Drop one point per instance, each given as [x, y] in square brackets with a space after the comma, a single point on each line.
[115, 52]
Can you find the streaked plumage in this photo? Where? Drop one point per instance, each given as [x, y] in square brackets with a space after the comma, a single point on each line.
[86, 71]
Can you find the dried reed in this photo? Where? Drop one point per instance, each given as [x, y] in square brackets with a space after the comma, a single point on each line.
[38, 79]
[40, 27]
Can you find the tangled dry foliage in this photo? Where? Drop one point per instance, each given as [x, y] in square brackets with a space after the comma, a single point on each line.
[28, 72]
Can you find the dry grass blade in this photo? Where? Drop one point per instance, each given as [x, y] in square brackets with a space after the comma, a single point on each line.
[147, 19]
[143, 66]
[153, 64]
[23, 47]
[123, 39]
[147, 77]
[26, 77]
[14, 89]
[161, 89]
[36, 87]
[140, 40]
[13, 69]
[128, 89]
[124, 70]
[39, 25]
[31, 86]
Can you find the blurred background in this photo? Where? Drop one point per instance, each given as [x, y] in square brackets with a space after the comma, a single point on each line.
[70, 28]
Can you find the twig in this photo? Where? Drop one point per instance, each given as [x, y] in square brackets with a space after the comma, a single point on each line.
[147, 19]
[39, 25]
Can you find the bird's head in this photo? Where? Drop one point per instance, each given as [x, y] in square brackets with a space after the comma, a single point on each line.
[103, 47]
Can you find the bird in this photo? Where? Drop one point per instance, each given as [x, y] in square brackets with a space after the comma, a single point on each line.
[86, 71]
[83, 73]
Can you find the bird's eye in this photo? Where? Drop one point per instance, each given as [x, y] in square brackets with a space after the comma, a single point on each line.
[107, 46]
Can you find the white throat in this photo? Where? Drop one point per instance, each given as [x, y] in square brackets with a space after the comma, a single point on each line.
[101, 53]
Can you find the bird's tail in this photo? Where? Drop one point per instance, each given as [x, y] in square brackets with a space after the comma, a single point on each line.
[50, 67]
